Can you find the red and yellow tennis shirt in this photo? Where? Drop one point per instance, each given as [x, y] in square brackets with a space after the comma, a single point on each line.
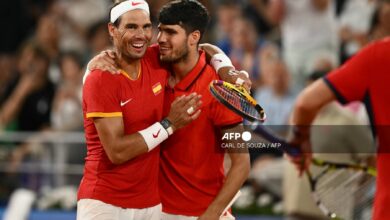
[191, 169]
[366, 77]
[139, 102]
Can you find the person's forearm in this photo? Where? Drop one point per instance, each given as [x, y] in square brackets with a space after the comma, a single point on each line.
[121, 147]
[308, 104]
[125, 148]
[12, 107]
[235, 178]
[210, 49]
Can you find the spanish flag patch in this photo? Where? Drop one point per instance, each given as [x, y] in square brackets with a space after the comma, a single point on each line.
[157, 88]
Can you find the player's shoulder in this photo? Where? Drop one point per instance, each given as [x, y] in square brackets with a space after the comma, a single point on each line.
[383, 42]
[100, 77]
[382, 45]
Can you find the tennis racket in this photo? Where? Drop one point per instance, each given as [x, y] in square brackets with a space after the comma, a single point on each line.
[238, 100]
[340, 190]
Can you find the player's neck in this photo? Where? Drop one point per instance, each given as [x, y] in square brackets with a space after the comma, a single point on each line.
[183, 67]
[130, 66]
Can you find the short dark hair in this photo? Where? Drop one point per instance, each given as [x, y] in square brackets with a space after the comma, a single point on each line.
[189, 14]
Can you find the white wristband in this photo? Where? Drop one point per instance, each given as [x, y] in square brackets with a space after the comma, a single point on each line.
[154, 135]
[220, 60]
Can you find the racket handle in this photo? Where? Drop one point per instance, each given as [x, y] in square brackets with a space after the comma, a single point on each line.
[285, 147]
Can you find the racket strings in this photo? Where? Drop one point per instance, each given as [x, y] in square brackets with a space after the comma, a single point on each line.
[237, 101]
[347, 193]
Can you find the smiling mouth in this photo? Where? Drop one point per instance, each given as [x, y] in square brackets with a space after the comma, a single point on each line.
[164, 49]
[138, 45]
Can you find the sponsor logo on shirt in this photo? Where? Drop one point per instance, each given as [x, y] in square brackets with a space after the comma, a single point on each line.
[123, 103]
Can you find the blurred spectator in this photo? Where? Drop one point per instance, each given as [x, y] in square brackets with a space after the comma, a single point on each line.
[276, 97]
[47, 37]
[227, 12]
[308, 27]
[7, 68]
[75, 19]
[98, 39]
[354, 25]
[27, 108]
[30, 96]
[66, 112]
[246, 46]
[258, 11]
[18, 20]
[381, 24]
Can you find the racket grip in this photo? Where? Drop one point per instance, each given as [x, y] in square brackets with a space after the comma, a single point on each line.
[293, 151]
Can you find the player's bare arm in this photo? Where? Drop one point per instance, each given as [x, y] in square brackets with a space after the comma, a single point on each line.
[224, 66]
[238, 173]
[121, 148]
[308, 104]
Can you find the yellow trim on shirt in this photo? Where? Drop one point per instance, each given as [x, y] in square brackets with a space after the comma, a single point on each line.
[104, 114]
[128, 76]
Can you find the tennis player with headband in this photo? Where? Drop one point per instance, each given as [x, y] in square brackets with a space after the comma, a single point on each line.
[220, 61]
[124, 124]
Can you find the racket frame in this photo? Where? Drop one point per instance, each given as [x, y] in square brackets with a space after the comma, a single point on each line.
[242, 93]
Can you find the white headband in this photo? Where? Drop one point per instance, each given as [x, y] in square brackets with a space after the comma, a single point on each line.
[126, 6]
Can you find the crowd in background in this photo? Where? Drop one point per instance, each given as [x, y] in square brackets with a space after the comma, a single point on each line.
[46, 44]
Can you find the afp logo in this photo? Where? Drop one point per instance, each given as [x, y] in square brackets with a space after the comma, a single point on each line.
[235, 136]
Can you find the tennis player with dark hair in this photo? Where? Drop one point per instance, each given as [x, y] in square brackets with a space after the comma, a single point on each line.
[185, 59]
[124, 124]
[364, 78]
[192, 180]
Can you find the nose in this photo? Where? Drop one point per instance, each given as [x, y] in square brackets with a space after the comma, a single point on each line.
[161, 37]
[140, 32]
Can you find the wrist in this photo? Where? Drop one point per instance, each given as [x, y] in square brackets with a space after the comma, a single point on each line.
[154, 135]
[168, 126]
[301, 131]
[220, 60]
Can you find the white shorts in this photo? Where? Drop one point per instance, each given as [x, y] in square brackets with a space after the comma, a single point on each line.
[91, 209]
[166, 216]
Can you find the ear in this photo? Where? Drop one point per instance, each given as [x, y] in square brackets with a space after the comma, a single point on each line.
[111, 29]
[194, 38]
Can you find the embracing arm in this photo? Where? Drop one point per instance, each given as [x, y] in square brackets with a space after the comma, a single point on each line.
[224, 67]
